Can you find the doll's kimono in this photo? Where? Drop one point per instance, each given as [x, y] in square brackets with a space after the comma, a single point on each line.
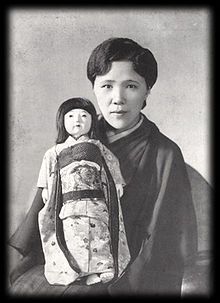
[81, 225]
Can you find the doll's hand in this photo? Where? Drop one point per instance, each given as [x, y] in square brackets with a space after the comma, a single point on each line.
[119, 189]
[45, 194]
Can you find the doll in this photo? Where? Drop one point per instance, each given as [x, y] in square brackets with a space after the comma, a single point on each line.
[81, 225]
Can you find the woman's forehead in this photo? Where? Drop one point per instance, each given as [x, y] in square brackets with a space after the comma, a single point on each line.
[121, 71]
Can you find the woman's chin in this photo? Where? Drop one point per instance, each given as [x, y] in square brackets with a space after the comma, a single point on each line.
[118, 125]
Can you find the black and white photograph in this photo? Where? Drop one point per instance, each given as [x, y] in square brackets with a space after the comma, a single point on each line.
[109, 124]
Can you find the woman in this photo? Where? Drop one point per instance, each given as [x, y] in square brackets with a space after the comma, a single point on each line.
[157, 205]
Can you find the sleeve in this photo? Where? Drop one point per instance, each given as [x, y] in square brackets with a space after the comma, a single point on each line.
[172, 244]
[113, 164]
[42, 178]
[47, 168]
[26, 239]
[26, 234]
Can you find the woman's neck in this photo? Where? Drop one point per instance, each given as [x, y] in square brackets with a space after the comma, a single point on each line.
[114, 134]
[115, 131]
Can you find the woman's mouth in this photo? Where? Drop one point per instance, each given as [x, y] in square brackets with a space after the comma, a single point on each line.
[118, 112]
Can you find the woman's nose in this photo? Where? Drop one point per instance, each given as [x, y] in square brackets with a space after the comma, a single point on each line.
[118, 96]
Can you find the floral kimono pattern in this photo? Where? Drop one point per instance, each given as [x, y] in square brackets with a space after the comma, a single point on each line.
[84, 213]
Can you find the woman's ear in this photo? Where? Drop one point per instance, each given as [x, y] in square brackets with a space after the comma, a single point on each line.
[144, 104]
[146, 96]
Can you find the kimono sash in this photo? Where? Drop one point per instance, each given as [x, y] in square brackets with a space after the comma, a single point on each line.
[81, 151]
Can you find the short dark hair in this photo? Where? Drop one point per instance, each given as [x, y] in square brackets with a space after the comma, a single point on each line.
[68, 105]
[122, 49]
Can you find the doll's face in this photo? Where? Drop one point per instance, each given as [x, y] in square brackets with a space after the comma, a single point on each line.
[120, 94]
[77, 122]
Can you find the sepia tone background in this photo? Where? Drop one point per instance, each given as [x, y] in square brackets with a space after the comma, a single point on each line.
[48, 53]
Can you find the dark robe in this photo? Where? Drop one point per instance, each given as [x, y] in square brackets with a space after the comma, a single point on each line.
[158, 214]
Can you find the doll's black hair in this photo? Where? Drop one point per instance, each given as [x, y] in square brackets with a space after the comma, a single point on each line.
[122, 49]
[67, 106]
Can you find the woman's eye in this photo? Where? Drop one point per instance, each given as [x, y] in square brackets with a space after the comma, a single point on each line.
[107, 86]
[132, 86]
[84, 116]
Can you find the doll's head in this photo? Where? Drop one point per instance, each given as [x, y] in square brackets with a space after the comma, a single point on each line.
[76, 117]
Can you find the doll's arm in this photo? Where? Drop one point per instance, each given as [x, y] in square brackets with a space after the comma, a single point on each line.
[46, 174]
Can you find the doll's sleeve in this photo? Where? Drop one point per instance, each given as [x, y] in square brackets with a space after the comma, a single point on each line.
[46, 169]
[113, 165]
[42, 177]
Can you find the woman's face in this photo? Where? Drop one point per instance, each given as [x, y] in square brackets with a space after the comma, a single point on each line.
[120, 95]
[77, 122]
